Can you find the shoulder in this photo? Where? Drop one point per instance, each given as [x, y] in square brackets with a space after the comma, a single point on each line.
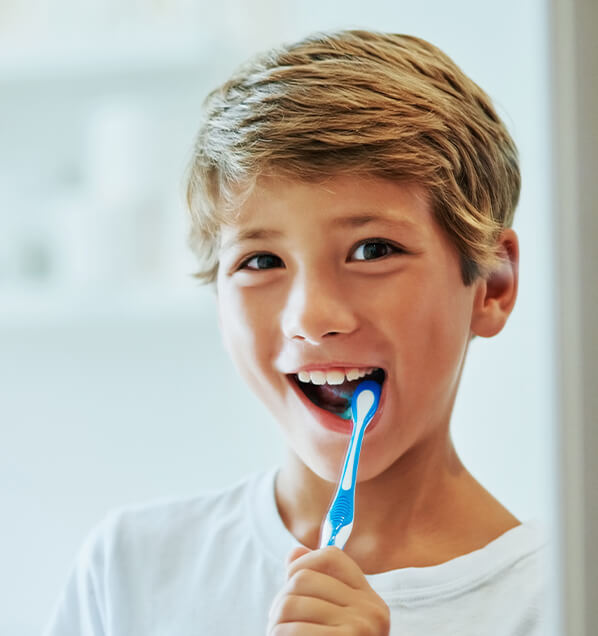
[528, 569]
[510, 564]
[520, 587]
[168, 526]
[173, 550]
[514, 564]
[522, 550]
[513, 581]
[502, 583]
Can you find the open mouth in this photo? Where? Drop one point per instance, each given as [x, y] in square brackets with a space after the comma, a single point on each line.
[333, 393]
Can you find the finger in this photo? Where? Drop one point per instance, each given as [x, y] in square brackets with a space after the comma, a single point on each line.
[303, 609]
[334, 563]
[363, 605]
[296, 553]
[298, 629]
[312, 583]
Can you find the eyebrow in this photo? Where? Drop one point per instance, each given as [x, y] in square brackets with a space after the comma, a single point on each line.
[346, 221]
[363, 219]
[252, 234]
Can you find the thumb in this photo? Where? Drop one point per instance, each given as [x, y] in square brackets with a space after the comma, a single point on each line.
[295, 553]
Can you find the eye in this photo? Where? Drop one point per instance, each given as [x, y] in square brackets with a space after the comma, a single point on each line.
[261, 261]
[374, 249]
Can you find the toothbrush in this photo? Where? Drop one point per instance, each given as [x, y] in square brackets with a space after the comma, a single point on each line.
[338, 523]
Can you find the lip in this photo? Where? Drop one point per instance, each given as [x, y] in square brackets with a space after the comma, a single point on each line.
[329, 420]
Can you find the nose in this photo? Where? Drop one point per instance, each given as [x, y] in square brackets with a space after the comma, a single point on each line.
[317, 307]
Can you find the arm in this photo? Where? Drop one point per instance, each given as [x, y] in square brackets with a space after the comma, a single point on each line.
[80, 608]
[77, 612]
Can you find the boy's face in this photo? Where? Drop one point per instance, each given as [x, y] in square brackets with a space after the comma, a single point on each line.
[352, 273]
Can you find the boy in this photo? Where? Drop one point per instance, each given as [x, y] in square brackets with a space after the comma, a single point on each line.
[351, 199]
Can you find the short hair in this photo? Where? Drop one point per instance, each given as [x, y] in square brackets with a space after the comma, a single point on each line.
[363, 103]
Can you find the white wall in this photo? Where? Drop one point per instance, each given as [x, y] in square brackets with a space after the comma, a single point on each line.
[122, 393]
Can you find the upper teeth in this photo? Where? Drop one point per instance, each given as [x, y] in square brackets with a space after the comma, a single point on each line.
[333, 376]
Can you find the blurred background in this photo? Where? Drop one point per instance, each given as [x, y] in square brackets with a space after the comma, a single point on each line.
[114, 387]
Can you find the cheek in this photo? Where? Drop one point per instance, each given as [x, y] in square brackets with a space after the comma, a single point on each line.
[431, 335]
[245, 326]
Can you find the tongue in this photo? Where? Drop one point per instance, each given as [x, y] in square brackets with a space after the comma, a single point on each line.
[335, 397]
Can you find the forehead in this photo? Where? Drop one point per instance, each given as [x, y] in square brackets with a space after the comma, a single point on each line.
[277, 205]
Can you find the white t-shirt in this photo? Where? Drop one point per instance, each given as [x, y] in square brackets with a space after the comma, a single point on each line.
[211, 565]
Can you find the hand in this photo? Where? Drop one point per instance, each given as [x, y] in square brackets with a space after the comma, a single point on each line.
[327, 593]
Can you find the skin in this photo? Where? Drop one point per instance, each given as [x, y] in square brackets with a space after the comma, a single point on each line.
[321, 298]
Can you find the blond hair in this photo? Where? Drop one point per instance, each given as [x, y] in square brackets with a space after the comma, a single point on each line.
[363, 103]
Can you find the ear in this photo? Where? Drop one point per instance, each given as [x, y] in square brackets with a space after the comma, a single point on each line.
[496, 293]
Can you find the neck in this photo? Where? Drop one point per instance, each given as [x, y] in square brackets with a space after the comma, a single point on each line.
[422, 510]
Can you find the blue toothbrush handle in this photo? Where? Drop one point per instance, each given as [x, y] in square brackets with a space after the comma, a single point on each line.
[338, 523]
[339, 520]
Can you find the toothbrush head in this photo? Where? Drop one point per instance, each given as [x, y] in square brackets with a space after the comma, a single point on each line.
[365, 402]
